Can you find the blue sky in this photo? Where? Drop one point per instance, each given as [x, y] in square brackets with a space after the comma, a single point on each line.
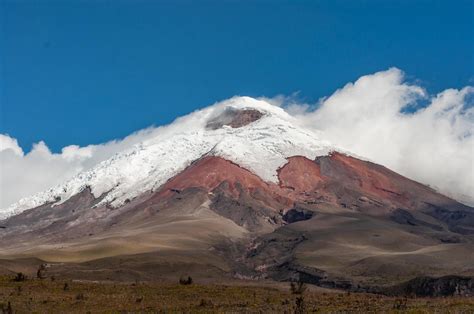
[84, 72]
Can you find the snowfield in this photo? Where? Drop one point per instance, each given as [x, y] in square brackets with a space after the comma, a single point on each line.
[261, 147]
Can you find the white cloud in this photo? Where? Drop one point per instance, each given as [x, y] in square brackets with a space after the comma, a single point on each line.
[434, 145]
[11, 144]
[22, 174]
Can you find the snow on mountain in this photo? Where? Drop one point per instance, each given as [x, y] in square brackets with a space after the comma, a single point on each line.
[261, 147]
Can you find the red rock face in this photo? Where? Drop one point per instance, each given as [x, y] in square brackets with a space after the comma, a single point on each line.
[297, 176]
[300, 174]
[379, 182]
[371, 179]
[209, 172]
[336, 179]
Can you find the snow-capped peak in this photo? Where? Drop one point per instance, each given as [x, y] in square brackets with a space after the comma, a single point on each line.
[260, 146]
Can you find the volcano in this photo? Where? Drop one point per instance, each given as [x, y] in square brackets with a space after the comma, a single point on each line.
[241, 191]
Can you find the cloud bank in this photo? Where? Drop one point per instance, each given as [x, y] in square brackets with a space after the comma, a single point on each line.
[378, 116]
[23, 174]
[428, 138]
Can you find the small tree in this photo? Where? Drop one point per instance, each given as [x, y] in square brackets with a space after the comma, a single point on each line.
[298, 288]
[41, 273]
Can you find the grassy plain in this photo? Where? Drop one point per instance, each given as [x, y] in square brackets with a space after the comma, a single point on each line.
[66, 296]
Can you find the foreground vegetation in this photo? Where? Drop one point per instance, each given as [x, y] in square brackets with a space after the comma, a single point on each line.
[60, 296]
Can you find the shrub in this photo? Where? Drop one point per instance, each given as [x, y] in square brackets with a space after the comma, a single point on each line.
[300, 306]
[19, 277]
[206, 303]
[185, 280]
[298, 287]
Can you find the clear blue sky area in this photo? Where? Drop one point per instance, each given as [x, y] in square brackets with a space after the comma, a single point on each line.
[88, 71]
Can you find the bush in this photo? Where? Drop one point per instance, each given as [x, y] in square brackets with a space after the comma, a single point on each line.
[300, 306]
[297, 287]
[185, 280]
[19, 277]
[206, 303]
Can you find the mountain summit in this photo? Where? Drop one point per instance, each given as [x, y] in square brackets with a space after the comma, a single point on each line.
[240, 190]
[249, 132]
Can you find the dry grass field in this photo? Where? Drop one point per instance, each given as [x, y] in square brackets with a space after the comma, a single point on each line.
[66, 296]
